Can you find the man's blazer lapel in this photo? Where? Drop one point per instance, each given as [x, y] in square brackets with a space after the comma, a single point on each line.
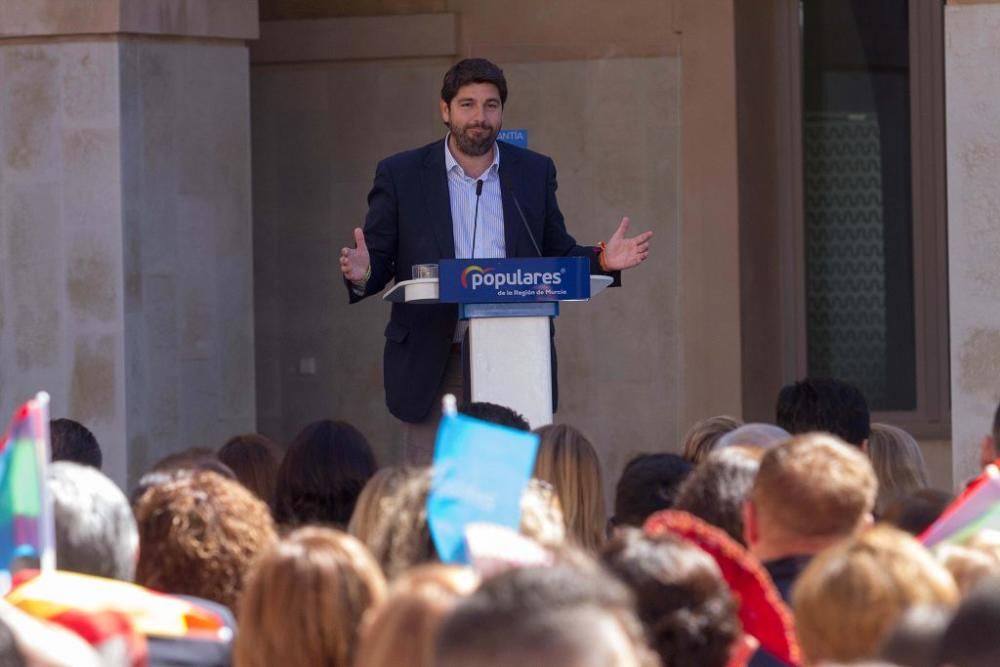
[434, 181]
[510, 178]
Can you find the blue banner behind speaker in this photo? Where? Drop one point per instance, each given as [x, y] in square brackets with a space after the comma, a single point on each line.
[514, 280]
[518, 137]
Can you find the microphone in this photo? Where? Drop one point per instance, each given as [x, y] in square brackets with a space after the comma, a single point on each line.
[506, 186]
[475, 216]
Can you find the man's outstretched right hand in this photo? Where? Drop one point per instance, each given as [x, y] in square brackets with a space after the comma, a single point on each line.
[354, 262]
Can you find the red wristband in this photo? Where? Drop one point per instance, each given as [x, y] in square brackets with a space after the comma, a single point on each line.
[602, 246]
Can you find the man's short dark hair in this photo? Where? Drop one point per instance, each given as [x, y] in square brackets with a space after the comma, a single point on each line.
[72, 441]
[539, 615]
[473, 70]
[826, 405]
[648, 484]
[495, 414]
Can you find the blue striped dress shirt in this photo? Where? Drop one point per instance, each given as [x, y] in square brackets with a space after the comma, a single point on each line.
[489, 241]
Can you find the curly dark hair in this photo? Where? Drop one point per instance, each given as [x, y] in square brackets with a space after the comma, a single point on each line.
[198, 535]
[686, 606]
[323, 472]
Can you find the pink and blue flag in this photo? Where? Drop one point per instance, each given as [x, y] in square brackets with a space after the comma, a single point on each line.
[26, 532]
[976, 509]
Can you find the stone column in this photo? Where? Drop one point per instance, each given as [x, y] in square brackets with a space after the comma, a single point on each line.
[709, 247]
[126, 285]
[972, 75]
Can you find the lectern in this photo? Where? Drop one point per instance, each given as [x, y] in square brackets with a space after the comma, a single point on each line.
[508, 303]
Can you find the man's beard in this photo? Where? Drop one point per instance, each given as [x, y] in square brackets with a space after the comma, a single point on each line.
[471, 145]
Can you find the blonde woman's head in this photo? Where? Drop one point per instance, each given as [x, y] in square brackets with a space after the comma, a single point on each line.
[852, 594]
[705, 435]
[305, 601]
[898, 463]
[401, 630]
[567, 460]
[371, 502]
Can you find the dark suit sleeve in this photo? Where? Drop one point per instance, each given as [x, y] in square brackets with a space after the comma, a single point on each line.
[558, 242]
[381, 231]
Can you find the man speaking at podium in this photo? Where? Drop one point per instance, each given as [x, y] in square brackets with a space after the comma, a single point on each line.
[464, 196]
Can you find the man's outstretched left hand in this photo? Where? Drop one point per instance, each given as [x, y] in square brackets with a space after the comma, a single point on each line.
[623, 253]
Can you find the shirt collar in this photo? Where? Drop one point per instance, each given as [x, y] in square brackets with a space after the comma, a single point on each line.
[451, 163]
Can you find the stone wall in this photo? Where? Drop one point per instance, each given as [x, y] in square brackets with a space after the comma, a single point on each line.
[601, 89]
[125, 218]
[314, 156]
[972, 75]
[187, 246]
[61, 278]
[126, 286]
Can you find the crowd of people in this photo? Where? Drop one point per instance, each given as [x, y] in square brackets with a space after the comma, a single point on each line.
[758, 544]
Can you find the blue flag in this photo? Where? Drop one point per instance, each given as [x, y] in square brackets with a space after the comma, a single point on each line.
[480, 472]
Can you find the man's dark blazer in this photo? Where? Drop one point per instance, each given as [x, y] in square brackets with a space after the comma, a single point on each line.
[409, 222]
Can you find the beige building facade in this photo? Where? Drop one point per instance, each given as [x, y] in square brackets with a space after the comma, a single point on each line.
[177, 178]
[126, 287]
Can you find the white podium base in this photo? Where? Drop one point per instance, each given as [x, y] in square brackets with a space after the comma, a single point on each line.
[510, 363]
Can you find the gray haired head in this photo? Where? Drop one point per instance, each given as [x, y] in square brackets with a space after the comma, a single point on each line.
[95, 530]
[756, 435]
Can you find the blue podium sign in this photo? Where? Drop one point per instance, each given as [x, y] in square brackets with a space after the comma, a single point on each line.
[514, 280]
